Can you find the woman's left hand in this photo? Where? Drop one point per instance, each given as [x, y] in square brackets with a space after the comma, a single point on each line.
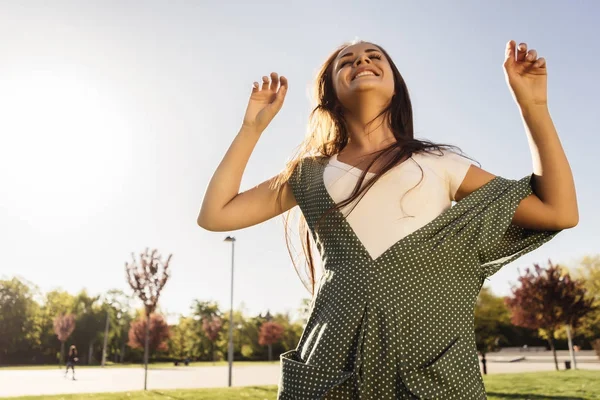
[526, 75]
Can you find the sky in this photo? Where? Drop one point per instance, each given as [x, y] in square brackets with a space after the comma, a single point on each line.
[115, 114]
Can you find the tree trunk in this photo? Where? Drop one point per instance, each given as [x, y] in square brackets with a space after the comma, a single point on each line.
[90, 352]
[123, 350]
[147, 340]
[551, 342]
[62, 353]
[571, 350]
[270, 352]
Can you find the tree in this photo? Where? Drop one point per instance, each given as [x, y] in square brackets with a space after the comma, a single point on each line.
[147, 279]
[116, 306]
[18, 331]
[55, 302]
[589, 271]
[120, 310]
[491, 316]
[211, 325]
[181, 344]
[270, 332]
[64, 325]
[304, 310]
[548, 299]
[157, 339]
[201, 311]
[89, 323]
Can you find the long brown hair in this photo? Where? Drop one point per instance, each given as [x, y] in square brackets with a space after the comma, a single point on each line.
[327, 135]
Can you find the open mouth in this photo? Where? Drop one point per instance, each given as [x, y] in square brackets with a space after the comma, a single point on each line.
[367, 72]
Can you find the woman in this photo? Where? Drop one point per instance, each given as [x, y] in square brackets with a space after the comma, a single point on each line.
[71, 360]
[392, 316]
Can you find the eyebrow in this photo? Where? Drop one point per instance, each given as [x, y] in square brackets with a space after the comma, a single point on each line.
[351, 54]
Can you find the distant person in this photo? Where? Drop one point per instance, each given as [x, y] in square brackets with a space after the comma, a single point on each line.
[392, 314]
[71, 360]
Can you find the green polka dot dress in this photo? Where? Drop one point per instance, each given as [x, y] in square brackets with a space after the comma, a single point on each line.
[400, 326]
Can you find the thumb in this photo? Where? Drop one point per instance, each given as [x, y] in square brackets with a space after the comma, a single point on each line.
[510, 52]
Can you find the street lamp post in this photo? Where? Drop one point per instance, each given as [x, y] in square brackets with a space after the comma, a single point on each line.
[230, 347]
[106, 326]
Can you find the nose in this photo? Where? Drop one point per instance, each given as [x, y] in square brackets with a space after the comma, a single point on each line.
[363, 58]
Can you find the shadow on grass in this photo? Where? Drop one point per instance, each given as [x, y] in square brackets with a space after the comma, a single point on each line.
[265, 389]
[526, 396]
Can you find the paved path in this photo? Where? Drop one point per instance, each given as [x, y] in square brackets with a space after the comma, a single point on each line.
[90, 380]
[95, 380]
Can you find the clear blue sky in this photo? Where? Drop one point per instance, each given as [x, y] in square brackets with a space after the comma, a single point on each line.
[114, 115]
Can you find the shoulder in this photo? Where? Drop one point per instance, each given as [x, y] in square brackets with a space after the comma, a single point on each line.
[302, 170]
[307, 162]
[446, 163]
[449, 165]
[441, 156]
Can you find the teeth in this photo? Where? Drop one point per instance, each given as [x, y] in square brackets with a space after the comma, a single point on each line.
[364, 73]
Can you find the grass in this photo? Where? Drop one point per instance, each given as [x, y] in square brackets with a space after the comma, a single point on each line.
[561, 385]
[160, 365]
[556, 385]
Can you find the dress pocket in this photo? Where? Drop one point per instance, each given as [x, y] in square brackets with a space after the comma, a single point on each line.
[300, 381]
[439, 374]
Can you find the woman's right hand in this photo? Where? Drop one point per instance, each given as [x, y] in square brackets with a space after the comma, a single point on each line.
[224, 208]
[265, 102]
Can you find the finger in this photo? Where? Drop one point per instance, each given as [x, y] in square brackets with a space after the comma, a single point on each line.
[510, 50]
[255, 87]
[274, 81]
[265, 85]
[531, 55]
[521, 51]
[284, 82]
[278, 102]
[283, 87]
[540, 63]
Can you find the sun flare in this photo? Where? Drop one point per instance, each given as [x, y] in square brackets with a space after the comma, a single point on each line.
[65, 150]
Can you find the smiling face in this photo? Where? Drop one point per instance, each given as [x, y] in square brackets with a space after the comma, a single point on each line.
[362, 68]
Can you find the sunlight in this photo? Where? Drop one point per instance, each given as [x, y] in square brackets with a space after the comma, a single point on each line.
[66, 148]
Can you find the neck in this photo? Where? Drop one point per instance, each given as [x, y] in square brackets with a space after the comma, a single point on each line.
[365, 137]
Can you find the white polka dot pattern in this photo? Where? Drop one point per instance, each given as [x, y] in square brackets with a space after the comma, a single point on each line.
[400, 326]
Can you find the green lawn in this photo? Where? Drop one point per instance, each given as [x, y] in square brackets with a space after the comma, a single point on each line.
[562, 385]
[161, 365]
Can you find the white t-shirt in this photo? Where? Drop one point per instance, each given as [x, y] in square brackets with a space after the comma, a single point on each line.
[383, 216]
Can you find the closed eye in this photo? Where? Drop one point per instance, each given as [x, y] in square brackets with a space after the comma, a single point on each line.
[371, 56]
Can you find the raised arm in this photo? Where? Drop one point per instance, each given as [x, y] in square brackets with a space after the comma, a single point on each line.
[223, 207]
[554, 202]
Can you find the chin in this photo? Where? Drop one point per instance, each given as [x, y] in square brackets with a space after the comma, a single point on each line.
[369, 84]
[366, 88]
[370, 89]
